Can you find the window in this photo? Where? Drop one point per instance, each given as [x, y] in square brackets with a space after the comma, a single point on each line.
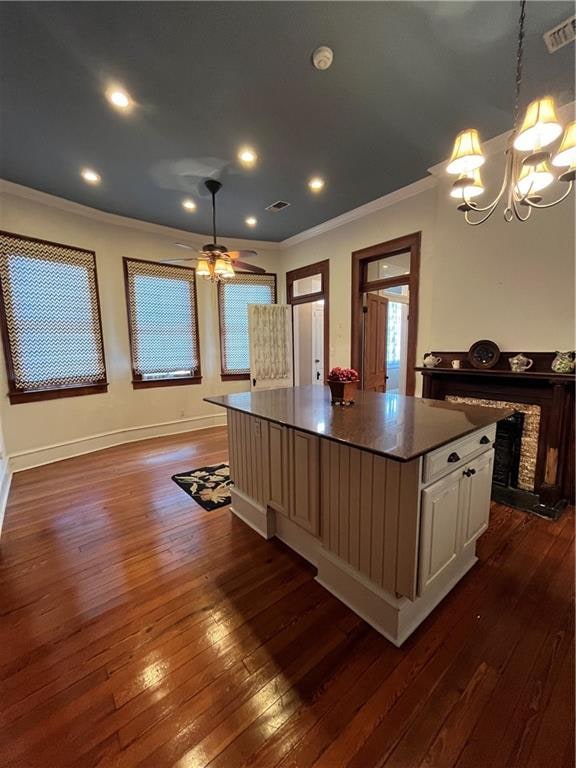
[50, 318]
[163, 323]
[233, 300]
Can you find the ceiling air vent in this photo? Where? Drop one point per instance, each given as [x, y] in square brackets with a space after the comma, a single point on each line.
[277, 206]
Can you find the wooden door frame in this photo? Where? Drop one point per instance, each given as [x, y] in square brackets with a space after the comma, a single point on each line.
[321, 268]
[360, 261]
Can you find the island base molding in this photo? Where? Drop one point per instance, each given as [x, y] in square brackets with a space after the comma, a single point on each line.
[393, 617]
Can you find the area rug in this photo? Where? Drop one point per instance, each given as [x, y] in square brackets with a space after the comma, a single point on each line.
[208, 486]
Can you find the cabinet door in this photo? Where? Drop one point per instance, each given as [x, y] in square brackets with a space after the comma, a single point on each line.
[439, 542]
[476, 513]
[304, 462]
[278, 446]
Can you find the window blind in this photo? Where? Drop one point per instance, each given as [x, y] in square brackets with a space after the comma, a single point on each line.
[233, 300]
[163, 320]
[51, 315]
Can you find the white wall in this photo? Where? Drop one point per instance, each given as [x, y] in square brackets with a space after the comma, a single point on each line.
[414, 214]
[513, 283]
[51, 429]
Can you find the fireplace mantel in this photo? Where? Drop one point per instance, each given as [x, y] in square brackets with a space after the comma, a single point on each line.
[553, 392]
[542, 375]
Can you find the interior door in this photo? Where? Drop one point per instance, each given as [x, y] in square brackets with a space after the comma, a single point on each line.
[270, 343]
[375, 329]
[318, 344]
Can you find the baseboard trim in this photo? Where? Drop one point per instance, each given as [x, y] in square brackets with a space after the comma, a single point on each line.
[258, 518]
[37, 457]
[4, 492]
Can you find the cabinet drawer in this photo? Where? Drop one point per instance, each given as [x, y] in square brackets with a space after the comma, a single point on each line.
[451, 456]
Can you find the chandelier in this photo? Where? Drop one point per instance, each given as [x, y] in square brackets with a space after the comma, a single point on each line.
[529, 169]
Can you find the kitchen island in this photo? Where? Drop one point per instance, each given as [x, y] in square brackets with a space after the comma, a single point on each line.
[386, 497]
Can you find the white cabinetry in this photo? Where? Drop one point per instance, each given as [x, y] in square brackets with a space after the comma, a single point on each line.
[476, 502]
[455, 512]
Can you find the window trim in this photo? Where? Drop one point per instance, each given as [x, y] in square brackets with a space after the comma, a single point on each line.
[137, 381]
[17, 396]
[224, 376]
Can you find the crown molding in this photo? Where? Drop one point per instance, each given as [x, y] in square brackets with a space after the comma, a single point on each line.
[422, 185]
[497, 144]
[194, 239]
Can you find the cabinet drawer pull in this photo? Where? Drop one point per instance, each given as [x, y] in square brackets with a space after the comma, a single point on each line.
[484, 440]
[453, 458]
[466, 473]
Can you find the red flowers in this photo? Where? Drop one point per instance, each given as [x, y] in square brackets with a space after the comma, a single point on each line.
[343, 374]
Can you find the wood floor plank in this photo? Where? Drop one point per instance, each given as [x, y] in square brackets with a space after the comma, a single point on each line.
[137, 629]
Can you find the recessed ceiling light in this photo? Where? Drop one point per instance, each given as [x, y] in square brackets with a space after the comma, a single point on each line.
[190, 205]
[119, 98]
[247, 156]
[251, 221]
[316, 184]
[90, 176]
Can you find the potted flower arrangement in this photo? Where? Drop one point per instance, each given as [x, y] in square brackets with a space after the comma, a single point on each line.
[343, 382]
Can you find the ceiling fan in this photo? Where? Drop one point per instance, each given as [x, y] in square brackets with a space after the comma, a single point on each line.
[215, 262]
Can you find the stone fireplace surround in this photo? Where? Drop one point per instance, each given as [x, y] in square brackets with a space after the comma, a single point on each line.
[547, 455]
[530, 431]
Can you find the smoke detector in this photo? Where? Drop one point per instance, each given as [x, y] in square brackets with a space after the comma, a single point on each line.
[323, 57]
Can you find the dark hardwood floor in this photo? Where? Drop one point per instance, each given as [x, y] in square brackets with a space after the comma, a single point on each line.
[138, 629]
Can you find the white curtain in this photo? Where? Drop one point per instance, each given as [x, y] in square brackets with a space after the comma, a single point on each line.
[271, 344]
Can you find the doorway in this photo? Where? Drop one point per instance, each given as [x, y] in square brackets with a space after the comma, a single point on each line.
[307, 290]
[385, 281]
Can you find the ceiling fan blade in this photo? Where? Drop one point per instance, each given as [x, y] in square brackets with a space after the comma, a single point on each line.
[241, 254]
[176, 261]
[248, 267]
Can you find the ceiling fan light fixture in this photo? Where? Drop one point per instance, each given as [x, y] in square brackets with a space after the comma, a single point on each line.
[203, 268]
[220, 267]
[228, 273]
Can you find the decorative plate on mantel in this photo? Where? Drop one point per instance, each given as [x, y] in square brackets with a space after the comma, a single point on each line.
[484, 354]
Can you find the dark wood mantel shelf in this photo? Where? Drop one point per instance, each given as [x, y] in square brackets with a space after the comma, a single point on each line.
[551, 375]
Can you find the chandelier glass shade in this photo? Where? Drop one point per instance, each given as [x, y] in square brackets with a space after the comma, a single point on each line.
[529, 167]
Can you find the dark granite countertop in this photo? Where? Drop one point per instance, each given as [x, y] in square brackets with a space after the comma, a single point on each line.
[394, 426]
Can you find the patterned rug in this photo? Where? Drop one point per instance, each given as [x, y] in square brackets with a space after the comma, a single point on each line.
[208, 486]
